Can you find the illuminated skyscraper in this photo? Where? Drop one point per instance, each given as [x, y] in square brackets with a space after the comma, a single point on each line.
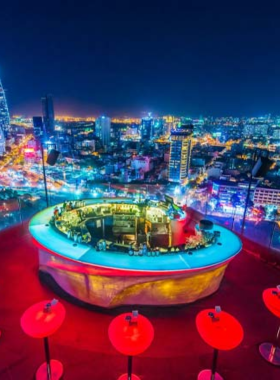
[38, 127]
[180, 153]
[4, 112]
[146, 127]
[103, 130]
[168, 123]
[2, 142]
[48, 114]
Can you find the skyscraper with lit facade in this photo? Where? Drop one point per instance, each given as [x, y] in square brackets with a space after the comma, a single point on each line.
[2, 142]
[180, 153]
[103, 130]
[48, 114]
[4, 112]
[146, 127]
[38, 127]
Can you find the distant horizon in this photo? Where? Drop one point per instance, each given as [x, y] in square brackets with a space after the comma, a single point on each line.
[140, 115]
[77, 110]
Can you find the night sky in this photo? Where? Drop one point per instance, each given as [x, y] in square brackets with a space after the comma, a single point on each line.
[129, 57]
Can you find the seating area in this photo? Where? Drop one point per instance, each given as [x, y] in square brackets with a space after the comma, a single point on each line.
[177, 351]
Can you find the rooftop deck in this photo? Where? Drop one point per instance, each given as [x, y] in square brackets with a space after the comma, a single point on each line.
[177, 352]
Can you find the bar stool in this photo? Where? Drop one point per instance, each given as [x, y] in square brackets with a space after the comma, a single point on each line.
[221, 331]
[270, 351]
[130, 334]
[40, 321]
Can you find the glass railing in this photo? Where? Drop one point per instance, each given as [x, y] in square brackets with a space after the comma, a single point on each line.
[19, 208]
[264, 233]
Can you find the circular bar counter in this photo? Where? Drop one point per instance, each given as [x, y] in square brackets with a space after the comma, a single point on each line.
[114, 277]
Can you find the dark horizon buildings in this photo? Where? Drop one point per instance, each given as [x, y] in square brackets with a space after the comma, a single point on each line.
[48, 114]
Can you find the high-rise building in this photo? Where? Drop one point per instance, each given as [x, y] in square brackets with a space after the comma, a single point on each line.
[255, 130]
[261, 130]
[48, 114]
[103, 130]
[267, 196]
[4, 112]
[146, 127]
[38, 127]
[2, 142]
[180, 153]
[168, 124]
[276, 133]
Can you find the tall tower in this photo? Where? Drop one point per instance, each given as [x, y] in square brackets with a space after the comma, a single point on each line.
[2, 142]
[4, 112]
[48, 114]
[146, 127]
[103, 130]
[180, 153]
[38, 127]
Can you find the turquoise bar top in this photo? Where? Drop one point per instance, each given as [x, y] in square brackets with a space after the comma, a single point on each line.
[228, 245]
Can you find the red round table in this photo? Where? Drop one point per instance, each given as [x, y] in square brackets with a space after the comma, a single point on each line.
[221, 331]
[40, 321]
[270, 351]
[130, 334]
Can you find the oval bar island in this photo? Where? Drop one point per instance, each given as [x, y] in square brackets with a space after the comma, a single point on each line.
[112, 252]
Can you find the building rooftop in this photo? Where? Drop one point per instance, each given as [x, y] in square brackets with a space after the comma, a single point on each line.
[82, 343]
[225, 182]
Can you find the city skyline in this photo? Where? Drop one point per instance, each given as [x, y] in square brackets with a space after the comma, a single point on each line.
[76, 111]
[139, 170]
[184, 58]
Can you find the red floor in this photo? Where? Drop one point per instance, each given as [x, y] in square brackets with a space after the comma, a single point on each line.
[177, 351]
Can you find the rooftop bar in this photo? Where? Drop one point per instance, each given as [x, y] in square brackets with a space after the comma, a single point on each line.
[112, 252]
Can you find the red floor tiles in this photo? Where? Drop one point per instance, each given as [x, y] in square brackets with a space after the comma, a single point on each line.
[177, 352]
